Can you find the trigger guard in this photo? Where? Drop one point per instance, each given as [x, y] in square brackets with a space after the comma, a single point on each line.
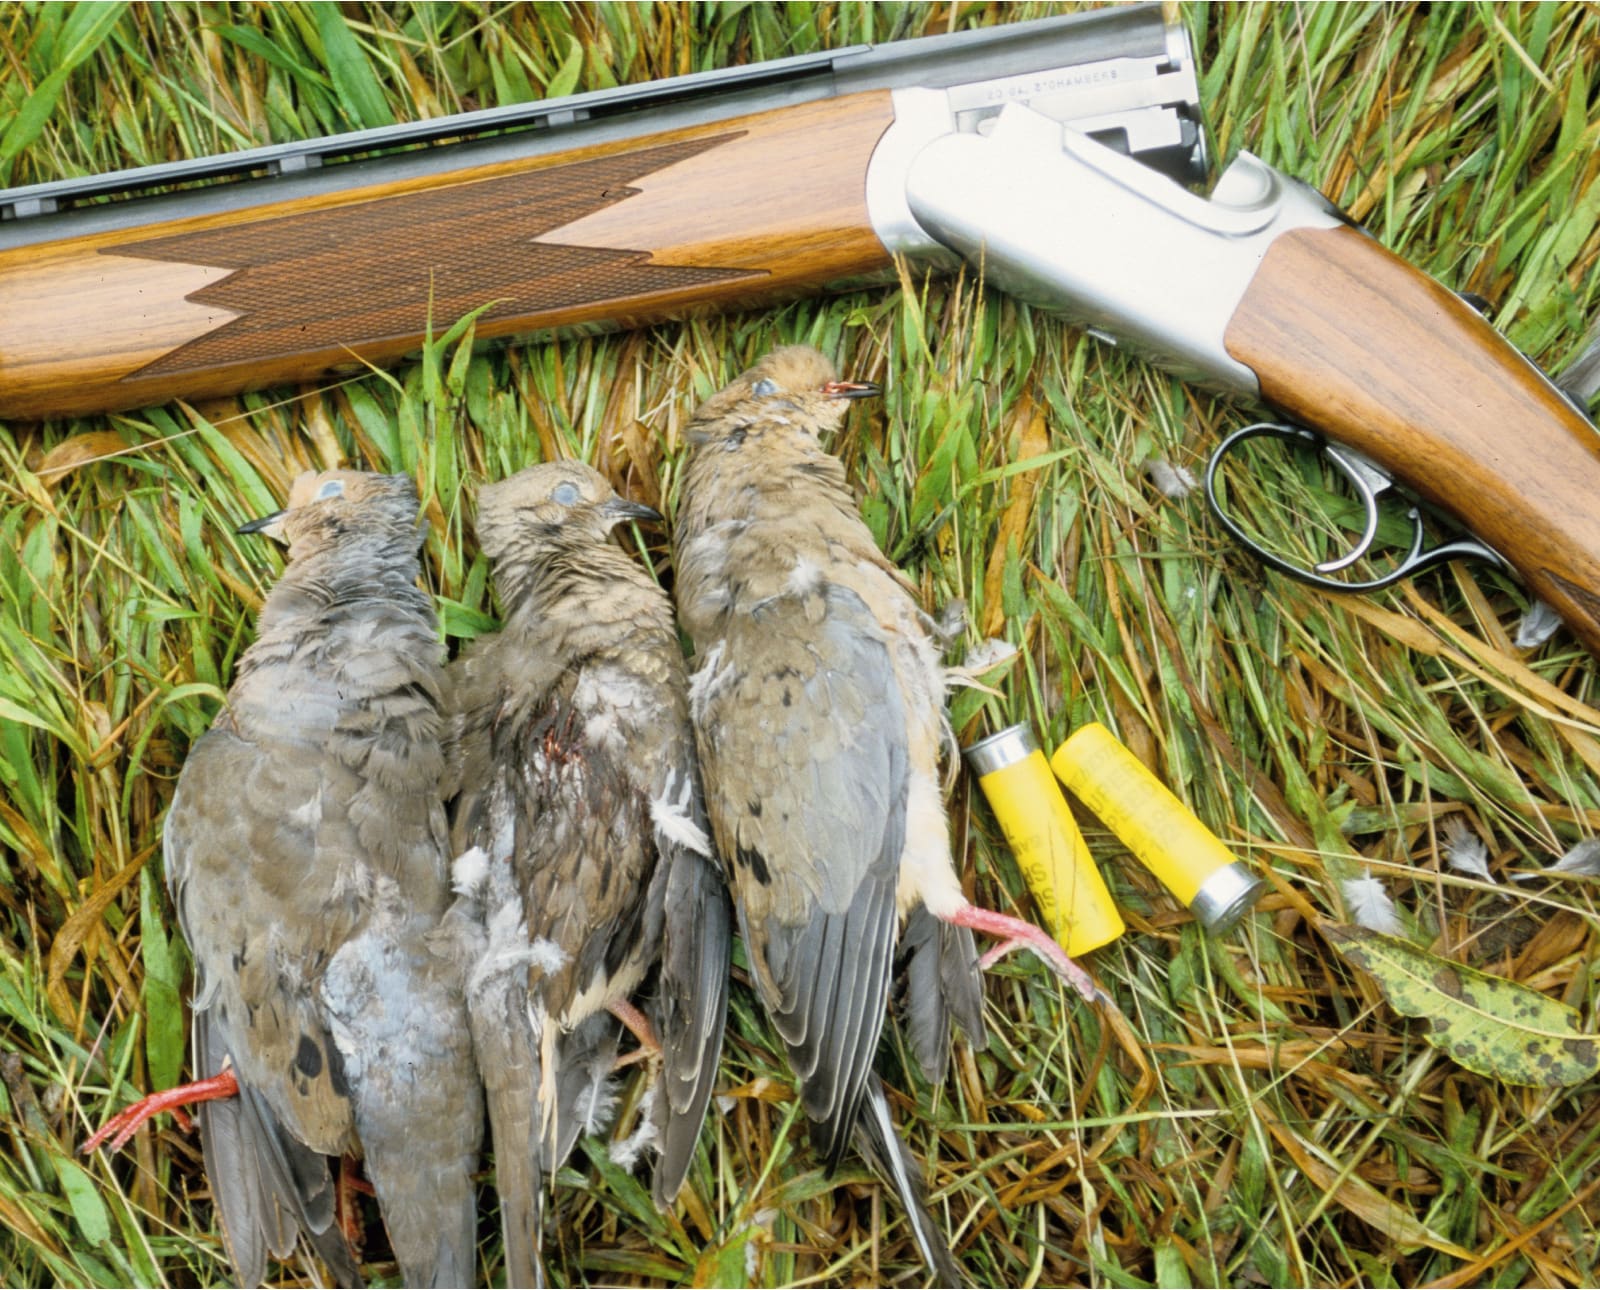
[1415, 561]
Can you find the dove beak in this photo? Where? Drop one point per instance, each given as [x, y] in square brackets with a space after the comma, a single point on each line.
[266, 524]
[620, 509]
[851, 390]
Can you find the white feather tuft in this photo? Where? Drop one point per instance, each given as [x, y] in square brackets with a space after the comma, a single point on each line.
[646, 1137]
[598, 1106]
[761, 1235]
[1370, 905]
[507, 951]
[1582, 860]
[1465, 852]
[805, 578]
[670, 814]
[1537, 626]
[470, 870]
[309, 813]
[1170, 480]
[984, 657]
[547, 956]
[707, 680]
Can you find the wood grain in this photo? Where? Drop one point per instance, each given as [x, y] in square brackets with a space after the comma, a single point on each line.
[718, 216]
[1349, 339]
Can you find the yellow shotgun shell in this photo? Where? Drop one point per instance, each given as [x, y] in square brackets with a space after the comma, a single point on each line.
[1159, 829]
[1042, 834]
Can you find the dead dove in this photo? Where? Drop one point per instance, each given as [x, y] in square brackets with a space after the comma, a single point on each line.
[585, 854]
[817, 703]
[305, 853]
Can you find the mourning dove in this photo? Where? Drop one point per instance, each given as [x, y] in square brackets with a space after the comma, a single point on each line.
[580, 824]
[305, 853]
[817, 703]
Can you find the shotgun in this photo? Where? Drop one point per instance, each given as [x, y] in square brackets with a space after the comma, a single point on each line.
[1060, 157]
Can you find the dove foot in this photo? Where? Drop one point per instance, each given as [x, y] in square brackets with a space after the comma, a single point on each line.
[124, 1124]
[347, 1208]
[639, 1026]
[1016, 933]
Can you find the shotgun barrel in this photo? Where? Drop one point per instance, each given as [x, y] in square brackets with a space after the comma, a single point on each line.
[619, 207]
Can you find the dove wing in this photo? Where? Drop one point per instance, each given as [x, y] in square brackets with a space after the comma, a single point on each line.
[259, 909]
[237, 865]
[691, 1005]
[266, 1186]
[802, 741]
[688, 886]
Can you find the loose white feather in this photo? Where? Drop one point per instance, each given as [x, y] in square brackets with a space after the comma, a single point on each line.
[1537, 626]
[646, 1137]
[984, 657]
[1370, 905]
[547, 955]
[1465, 852]
[669, 813]
[709, 678]
[1170, 480]
[1581, 860]
[470, 870]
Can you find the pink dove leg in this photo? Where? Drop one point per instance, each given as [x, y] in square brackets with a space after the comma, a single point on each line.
[1016, 933]
[126, 1123]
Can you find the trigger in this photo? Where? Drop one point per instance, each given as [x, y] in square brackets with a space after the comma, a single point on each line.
[1368, 479]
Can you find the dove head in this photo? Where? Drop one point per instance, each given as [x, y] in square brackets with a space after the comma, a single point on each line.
[556, 501]
[793, 388]
[331, 507]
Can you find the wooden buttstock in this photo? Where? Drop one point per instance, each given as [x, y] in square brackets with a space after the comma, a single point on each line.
[714, 216]
[1349, 339]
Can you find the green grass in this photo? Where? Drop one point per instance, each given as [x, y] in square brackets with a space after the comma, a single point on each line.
[1260, 1117]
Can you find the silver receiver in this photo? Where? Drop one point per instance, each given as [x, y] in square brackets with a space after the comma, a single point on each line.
[1132, 89]
[1019, 200]
[1169, 268]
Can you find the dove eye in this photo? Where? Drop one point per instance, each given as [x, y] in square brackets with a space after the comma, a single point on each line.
[763, 387]
[565, 494]
[333, 488]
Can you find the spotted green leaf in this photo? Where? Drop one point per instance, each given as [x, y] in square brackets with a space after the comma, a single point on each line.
[1489, 1024]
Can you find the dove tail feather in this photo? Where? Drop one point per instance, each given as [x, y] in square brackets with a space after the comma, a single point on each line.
[880, 1144]
[431, 1214]
[694, 988]
[267, 1187]
[519, 1182]
[510, 1060]
[941, 984]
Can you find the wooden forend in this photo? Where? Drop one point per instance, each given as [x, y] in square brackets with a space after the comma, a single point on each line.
[713, 216]
[1347, 338]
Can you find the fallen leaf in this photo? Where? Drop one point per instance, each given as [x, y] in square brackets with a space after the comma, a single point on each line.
[1034, 441]
[1489, 1024]
[79, 450]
